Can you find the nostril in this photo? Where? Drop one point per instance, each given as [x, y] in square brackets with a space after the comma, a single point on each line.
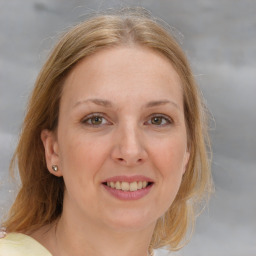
[123, 160]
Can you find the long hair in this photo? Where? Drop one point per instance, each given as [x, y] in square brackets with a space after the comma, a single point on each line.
[39, 200]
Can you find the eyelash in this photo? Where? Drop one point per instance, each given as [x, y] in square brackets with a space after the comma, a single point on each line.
[167, 119]
[88, 118]
[91, 116]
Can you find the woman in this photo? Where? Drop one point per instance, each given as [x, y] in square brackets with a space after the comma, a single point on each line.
[112, 155]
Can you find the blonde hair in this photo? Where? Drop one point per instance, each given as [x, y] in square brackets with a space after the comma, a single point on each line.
[39, 201]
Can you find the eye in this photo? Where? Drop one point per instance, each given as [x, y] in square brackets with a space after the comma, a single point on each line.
[159, 120]
[95, 120]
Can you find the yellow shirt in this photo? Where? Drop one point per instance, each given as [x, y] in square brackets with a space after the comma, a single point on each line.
[16, 244]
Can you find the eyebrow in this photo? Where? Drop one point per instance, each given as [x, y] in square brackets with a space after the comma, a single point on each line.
[100, 102]
[161, 102]
[107, 103]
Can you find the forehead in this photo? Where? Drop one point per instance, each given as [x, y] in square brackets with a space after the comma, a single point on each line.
[123, 73]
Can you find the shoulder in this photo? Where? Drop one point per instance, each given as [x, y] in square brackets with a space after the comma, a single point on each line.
[17, 244]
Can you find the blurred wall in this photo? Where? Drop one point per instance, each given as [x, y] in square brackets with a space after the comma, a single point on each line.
[219, 38]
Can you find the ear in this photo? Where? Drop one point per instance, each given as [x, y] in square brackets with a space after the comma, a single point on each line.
[185, 161]
[51, 148]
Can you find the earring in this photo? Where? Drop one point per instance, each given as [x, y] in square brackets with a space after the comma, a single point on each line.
[55, 168]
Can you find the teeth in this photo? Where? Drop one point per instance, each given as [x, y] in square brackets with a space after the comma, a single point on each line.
[126, 186]
[133, 186]
[117, 185]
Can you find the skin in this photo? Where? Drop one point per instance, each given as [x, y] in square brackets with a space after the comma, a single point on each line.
[139, 131]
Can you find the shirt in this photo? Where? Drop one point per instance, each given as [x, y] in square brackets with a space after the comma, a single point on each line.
[17, 244]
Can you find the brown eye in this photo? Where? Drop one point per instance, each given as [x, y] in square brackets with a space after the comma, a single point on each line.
[156, 120]
[159, 120]
[96, 120]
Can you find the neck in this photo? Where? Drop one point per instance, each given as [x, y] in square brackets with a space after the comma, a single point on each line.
[88, 240]
[77, 233]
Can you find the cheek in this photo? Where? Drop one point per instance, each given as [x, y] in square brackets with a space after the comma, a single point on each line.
[81, 159]
[168, 159]
[81, 155]
[169, 155]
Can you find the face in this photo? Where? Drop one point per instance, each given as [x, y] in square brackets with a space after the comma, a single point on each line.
[121, 143]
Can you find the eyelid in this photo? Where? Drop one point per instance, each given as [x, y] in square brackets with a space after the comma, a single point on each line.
[97, 114]
[166, 117]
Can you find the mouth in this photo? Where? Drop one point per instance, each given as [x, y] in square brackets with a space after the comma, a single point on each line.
[128, 186]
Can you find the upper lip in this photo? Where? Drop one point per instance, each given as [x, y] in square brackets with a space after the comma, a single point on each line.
[129, 179]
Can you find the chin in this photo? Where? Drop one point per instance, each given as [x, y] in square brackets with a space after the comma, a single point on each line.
[130, 221]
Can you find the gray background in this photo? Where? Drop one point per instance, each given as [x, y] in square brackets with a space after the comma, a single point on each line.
[219, 38]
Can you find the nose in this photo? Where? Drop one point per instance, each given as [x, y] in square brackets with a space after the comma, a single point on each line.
[129, 149]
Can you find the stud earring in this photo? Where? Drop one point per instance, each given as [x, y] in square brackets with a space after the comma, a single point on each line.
[55, 168]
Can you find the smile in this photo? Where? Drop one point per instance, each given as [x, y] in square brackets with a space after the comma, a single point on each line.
[126, 186]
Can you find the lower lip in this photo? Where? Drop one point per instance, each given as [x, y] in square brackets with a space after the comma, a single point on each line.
[128, 195]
